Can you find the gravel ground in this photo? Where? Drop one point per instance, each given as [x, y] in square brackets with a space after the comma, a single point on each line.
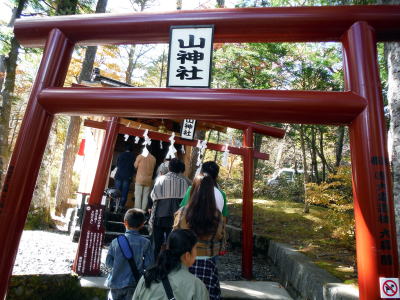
[229, 267]
[44, 252]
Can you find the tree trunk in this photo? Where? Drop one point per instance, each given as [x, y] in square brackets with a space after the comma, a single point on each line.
[8, 93]
[208, 140]
[199, 135]
[131, 65]
[257, 147]
[162, 69]
[392, 53]
[218, 137]
[279, 152]
[41, 195]
[63, 190]
[321, 154]
[305, 168]
[66, 7]
[324, 162]
[339, 145]
[220, 3]
[314, 155]
[2, 71]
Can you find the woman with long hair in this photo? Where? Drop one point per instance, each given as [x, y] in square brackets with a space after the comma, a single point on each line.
[202, 216]
[171, 272]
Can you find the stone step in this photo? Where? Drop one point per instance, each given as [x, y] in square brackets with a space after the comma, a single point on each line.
[230, 290]
[267, 290]
[115, 226]
[111, 216]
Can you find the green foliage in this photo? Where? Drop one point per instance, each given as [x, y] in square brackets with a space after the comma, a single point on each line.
[287, 191]
[252, 66]
[312, 234]
[233, 187]
[336, 194]
[38, 219]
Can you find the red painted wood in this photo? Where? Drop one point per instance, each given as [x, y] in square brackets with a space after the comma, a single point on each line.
[372, 186]
[105, 158]
[247, 206]
[278, 24]
[257, 128]
[207, 104]
[27, 155]
[165, 138]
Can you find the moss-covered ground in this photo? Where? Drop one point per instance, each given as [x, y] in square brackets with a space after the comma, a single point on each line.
[313, 233]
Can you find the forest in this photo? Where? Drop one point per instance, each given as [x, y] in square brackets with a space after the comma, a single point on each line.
[319, 155]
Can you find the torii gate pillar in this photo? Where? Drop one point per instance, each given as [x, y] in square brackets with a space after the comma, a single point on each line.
[247, 206]
[372, 185]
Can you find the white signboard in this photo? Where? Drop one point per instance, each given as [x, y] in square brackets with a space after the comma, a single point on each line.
[190, 53]
[188, 128]
[389, 288]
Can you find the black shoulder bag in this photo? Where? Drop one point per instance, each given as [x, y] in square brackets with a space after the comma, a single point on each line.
[168, 289]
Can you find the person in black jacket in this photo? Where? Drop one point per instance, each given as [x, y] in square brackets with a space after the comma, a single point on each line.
[124, 174]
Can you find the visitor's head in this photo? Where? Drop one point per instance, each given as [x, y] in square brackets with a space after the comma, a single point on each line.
[181, 243]
[134, 218]
[202, 212]
[174, 165]
[128, 147]
[211, 168]
[182, 167]
[180, 250]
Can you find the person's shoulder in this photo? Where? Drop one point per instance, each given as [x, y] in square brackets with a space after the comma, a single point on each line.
[138, 238]
[114, 242]
[222, 192]
[160, 179]
[218, 193]
[143, 240]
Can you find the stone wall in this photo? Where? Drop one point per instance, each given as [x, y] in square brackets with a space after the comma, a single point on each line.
[302, 279]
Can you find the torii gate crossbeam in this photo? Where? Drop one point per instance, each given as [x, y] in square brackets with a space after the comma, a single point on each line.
[357, 27]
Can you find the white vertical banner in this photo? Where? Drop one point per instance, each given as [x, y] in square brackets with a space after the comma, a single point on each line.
[190, 54]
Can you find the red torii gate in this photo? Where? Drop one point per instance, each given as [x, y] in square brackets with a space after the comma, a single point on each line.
[113, 128]
[360, 107]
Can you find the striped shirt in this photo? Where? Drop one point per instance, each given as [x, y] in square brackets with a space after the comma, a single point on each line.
[170, 185]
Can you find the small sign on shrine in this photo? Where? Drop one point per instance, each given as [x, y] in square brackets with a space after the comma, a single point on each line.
[188, 129]
[190, 54]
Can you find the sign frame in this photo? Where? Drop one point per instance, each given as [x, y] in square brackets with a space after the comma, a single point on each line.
[173, 27]
[187, 137]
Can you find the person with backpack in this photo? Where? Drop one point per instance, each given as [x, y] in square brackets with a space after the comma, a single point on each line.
[128, 256]
[169, 278]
